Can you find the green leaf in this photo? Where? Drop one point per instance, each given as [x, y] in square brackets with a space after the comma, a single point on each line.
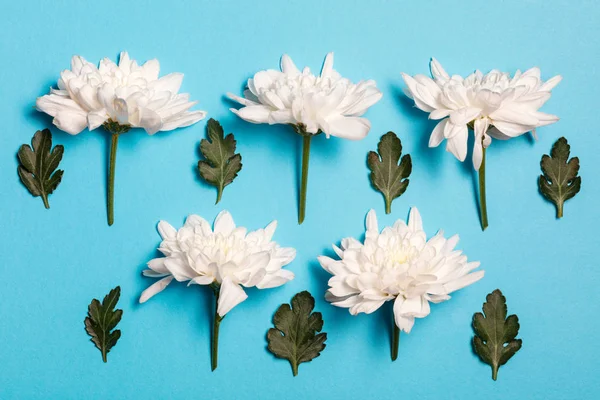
[38, 164]
[295, 337]
[387, 176]
[559, 182]
[222, 164]
[495, 335]
[102, 318]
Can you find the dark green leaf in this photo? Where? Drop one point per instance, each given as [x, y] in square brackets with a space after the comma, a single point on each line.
[222, 164]
[387, 176]
[559, 182]
[495, 335]
[295, 335]
[38, 164]
[102, 318]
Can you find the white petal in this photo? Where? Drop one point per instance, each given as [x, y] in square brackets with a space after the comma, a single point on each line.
[415, 223]
[437, 136]
[402, 322]
[224, 223]
[96, 118]
[352, 128]
[158, 265]
[185, 119]
[457, 145]
[150, 121]
[72, 123]
[481, 126]
[255, 114]
[463, 281]
[121, 111]
[202, 280]
[166, 231]
[327, 66]
[288, 66]
[372, 226]
[437, 71]
[168, 83]
[241, 100]
[230, 295]
[155, 288]
[151, 68]
[551, 83]
[270, 231]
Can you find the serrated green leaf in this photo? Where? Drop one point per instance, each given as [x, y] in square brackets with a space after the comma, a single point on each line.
[295, 337]
[495, 335]
[102, 318]
[37, 169]
[222, 164]
[387, 176]
[559, 181]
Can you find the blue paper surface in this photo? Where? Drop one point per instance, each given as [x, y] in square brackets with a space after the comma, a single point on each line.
[55, 261]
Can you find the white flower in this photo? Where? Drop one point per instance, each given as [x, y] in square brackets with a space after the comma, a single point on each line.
[127, 94]
[508, 106]
[398, 264]
[326, 103]
[228, 256]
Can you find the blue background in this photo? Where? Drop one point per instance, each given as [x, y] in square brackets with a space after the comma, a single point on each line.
[55, 261]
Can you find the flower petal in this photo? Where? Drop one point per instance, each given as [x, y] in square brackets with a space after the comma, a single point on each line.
[230, 295]
[155, 288]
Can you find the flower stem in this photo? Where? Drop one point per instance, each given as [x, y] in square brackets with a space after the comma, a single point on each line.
[482, 202]
[305, 157]
[111, 178]
[395, 340]
[215, 335]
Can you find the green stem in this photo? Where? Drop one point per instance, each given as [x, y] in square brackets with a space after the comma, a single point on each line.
[111, 178]
[47, 205]
[295, 368]
[215, 336]
[305, 157]
[395, 340]
[104, 355]
[482, 202]
[388, 205]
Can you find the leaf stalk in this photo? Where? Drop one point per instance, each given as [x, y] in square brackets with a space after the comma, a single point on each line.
[47, 205]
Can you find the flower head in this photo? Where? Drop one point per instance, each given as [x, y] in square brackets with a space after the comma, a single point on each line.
[493, 105]
[398, 264]
[227, 257]
[327, 103]
[127, 94]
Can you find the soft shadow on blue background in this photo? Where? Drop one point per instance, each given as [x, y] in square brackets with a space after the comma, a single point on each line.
[55, 261]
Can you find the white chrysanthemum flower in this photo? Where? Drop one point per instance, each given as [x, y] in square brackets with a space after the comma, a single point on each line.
[493, 105]
[127, 94]
[327, 103]
[118, 97]
[311, 104]
[397, 264]
[228, 256]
